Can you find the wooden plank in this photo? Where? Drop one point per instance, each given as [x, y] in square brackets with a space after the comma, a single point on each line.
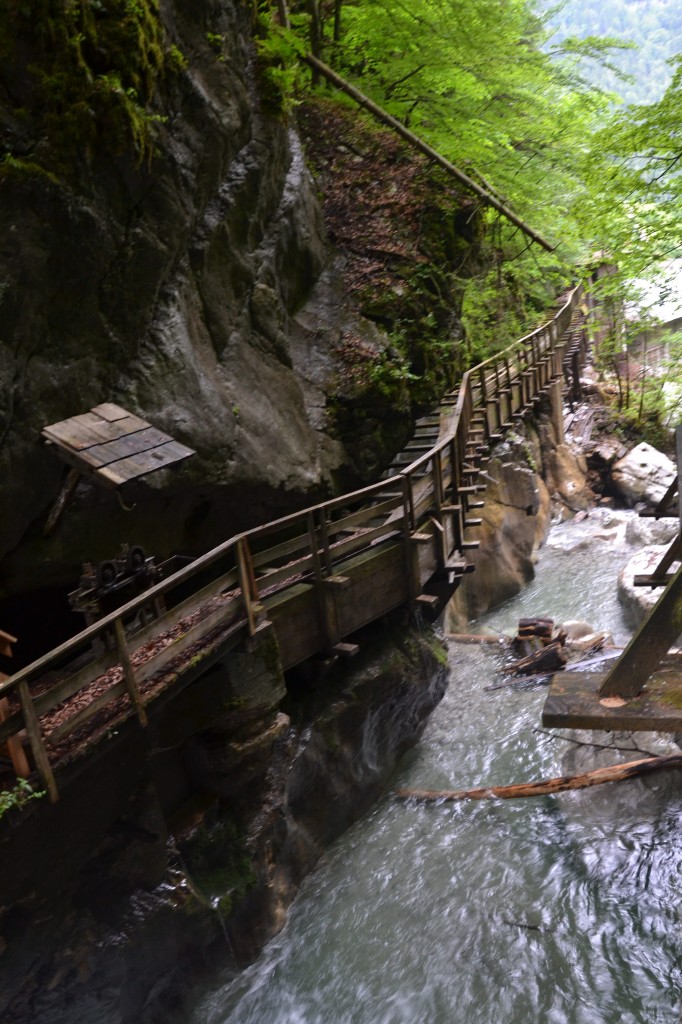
[122, 447]
[66, 688]
[288, 547]
[648, 580]
[87, 712]
[381, 508]
[346, 650]
[71, 436]
[110, 429]
[575, 702]
[87, 430]
[301, 566]
[109, 411]
[147, 462]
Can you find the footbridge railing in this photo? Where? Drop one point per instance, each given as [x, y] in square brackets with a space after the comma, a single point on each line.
[317, 575]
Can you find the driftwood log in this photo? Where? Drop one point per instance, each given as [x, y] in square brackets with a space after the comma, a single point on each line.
[613, 773]
[476, 638]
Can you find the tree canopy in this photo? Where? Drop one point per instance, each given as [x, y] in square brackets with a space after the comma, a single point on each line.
[489, 85]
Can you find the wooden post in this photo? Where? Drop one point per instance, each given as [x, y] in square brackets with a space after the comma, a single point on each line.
[245, 571]
[324, 535]
[66, 493]
[556, 401]
[129, 672]
[36, 740]
[14, 745]
[326, 611]
[649, 645]
[413, 582]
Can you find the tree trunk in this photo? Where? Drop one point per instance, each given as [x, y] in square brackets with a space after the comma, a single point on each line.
[613, 773]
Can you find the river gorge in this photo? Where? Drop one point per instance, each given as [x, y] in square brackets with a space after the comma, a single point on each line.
[562, 909]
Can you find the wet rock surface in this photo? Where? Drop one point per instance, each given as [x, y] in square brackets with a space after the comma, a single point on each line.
[171, 287]
[644, 474]
[145, 895]
[637, 602]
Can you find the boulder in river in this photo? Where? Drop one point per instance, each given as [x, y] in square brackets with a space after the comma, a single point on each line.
[637, 602]
[644, 531]
[644, 474]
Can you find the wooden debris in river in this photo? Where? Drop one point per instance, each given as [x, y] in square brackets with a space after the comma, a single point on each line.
[541, 645]
[551, 658]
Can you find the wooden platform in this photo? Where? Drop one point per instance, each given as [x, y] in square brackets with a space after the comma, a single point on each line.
[113, 445]
[573, 702]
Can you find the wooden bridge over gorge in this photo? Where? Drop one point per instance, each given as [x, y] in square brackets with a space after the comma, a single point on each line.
[314, 577]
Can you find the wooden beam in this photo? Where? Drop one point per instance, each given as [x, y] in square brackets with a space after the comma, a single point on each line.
[649, 645]
[36, 740]
[129, 672]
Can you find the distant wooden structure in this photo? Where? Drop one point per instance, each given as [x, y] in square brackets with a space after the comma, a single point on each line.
[643, 689]
[112, 447]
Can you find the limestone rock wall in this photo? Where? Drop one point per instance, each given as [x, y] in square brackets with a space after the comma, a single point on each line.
[529, 480]
[170, 287]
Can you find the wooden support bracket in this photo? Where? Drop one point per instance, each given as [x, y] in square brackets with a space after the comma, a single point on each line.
[345, 650]
[336, 582]
[649, 645]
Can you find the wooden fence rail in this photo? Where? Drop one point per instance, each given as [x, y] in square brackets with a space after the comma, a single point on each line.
[225, 588]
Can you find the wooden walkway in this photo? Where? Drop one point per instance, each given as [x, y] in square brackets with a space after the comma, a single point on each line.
[318, 575]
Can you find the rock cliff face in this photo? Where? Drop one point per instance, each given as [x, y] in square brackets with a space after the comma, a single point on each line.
[530, 479]
[171, 287]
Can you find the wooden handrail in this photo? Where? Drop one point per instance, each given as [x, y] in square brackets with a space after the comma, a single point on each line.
[421, 486]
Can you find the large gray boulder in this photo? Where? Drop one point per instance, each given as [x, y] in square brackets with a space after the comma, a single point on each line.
[637, 602]
[644, 474]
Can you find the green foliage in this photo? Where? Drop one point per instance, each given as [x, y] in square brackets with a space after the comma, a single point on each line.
[14, 799]
[279, 58]
[90, 69]
[218, 862]
[496, 89]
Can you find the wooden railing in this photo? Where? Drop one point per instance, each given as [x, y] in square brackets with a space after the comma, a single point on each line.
[225, 591]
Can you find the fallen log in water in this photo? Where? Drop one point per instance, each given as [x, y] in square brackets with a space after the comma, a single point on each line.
[477, 638]
[612, 773]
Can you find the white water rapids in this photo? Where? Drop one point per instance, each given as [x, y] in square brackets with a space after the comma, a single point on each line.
[559, 910]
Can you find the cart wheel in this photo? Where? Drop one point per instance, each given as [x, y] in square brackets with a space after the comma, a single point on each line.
[106, 574]
[136, 559]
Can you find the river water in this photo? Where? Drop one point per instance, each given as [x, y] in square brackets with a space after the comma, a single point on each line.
[560, 910]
